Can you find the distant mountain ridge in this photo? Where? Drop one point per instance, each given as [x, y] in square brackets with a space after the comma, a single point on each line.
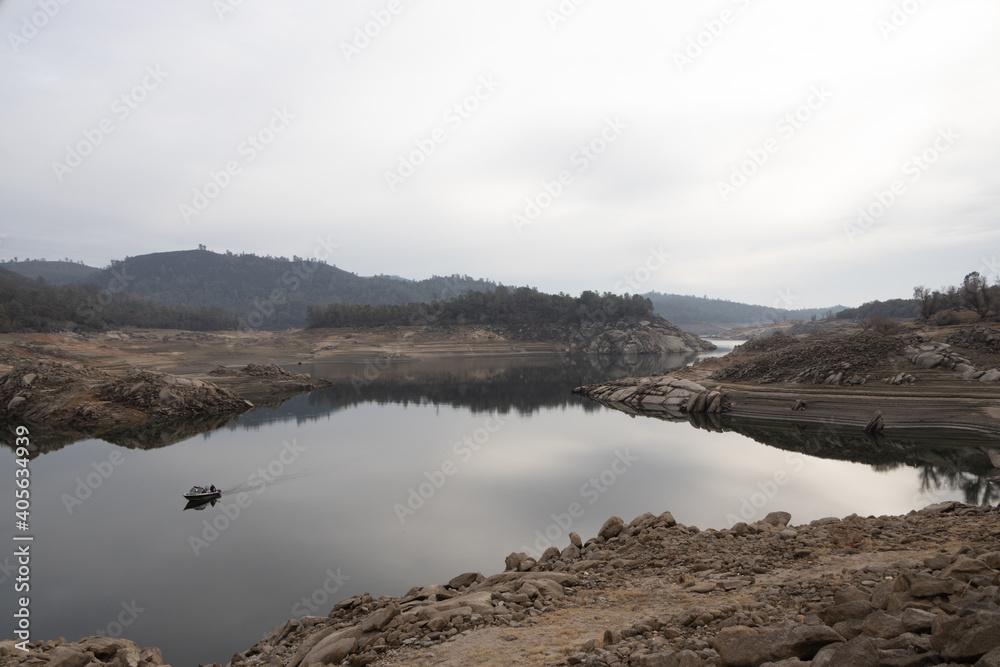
[274, 292]
[686, 310]
[262, 292]
[54, 272]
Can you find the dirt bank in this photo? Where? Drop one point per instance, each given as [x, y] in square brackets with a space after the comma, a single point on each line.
[911, 379]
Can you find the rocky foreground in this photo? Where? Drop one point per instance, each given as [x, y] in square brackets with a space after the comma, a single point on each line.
[891, 591]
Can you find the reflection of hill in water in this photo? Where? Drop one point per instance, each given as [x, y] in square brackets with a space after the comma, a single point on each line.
[524, 384]
[948, 460]
[481, 385]
[151, 435]
[952, 460]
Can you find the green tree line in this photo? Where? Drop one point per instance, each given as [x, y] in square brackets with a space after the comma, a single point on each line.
[33, 305]
[502, 306]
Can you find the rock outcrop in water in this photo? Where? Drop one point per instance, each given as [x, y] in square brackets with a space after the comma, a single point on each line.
[641, 337]
[658, 393]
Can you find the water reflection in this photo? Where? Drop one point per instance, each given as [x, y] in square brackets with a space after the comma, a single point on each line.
[522, 384]
[935, 481]
[947, 460]
[503, 384]
[200, 504]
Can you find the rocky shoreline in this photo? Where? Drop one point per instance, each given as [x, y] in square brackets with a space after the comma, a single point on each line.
[58, 395]
[866, 379]
[891, 591]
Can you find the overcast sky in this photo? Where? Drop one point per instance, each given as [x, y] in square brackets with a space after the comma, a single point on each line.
[560, 145]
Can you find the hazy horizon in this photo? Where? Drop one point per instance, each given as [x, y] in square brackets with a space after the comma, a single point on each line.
[772, 153]
[419, 278]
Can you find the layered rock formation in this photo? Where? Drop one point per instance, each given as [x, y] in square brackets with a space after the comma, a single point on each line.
[663, 393]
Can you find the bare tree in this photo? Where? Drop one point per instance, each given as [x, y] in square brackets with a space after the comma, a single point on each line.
[976, 294]
[925, 301]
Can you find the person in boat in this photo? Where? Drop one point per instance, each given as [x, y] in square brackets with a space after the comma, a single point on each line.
[212, 489]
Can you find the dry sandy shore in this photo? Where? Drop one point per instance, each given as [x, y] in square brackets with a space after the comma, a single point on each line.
[193, 353]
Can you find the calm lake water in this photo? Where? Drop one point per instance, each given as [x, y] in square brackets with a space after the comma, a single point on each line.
[424, 471]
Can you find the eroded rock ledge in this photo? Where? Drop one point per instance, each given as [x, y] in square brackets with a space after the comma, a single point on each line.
[663, 393]
[58, 393]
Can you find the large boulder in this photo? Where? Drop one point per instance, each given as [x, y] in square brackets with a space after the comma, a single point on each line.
[967, 638]
[801, 642]
[611, 528]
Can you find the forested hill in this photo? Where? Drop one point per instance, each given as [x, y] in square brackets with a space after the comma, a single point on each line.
[681, 309]
[33, 305]
[54, 272]
[523, 306]
[266, 292]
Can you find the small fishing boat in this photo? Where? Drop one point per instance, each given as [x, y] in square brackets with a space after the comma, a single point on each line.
[202, 493]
